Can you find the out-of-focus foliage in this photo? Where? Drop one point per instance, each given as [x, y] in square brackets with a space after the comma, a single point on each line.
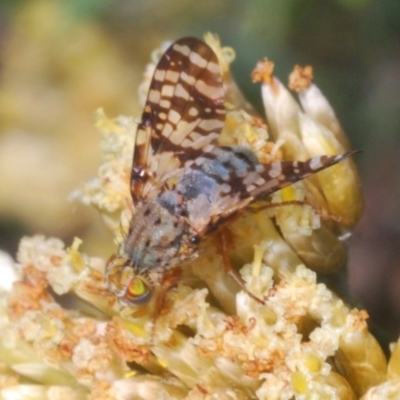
[56, 71]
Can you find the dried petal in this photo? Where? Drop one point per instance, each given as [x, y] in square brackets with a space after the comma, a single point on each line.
[282, 112]
[315, 104]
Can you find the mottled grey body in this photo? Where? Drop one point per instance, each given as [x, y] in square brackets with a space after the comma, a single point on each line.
[166, 230]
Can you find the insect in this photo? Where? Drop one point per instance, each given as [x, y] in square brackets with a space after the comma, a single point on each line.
[183, 185]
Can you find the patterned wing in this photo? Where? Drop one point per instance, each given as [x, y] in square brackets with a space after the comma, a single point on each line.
[277, 175]
[183, 115]
[221, 183]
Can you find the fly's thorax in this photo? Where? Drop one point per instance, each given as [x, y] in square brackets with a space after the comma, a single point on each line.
[158, 235]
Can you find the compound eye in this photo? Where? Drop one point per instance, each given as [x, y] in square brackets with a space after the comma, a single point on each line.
[194, 240]
[138, 291]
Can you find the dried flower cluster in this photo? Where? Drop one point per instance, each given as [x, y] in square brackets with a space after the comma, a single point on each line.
[65, 336]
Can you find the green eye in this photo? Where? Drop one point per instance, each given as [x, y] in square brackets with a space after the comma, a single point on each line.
[138, 291]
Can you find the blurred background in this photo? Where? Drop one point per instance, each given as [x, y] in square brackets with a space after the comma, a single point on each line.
[62, 60]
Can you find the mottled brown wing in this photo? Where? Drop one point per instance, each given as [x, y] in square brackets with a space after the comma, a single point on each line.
[266, 179]
[183, 115]
[277, 175]
[221, 183]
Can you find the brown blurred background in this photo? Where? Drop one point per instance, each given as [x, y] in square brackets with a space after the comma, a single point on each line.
[61, 60]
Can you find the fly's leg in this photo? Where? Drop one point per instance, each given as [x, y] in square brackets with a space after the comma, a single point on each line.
[256, 208]
[224, 242]
[170, 279]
